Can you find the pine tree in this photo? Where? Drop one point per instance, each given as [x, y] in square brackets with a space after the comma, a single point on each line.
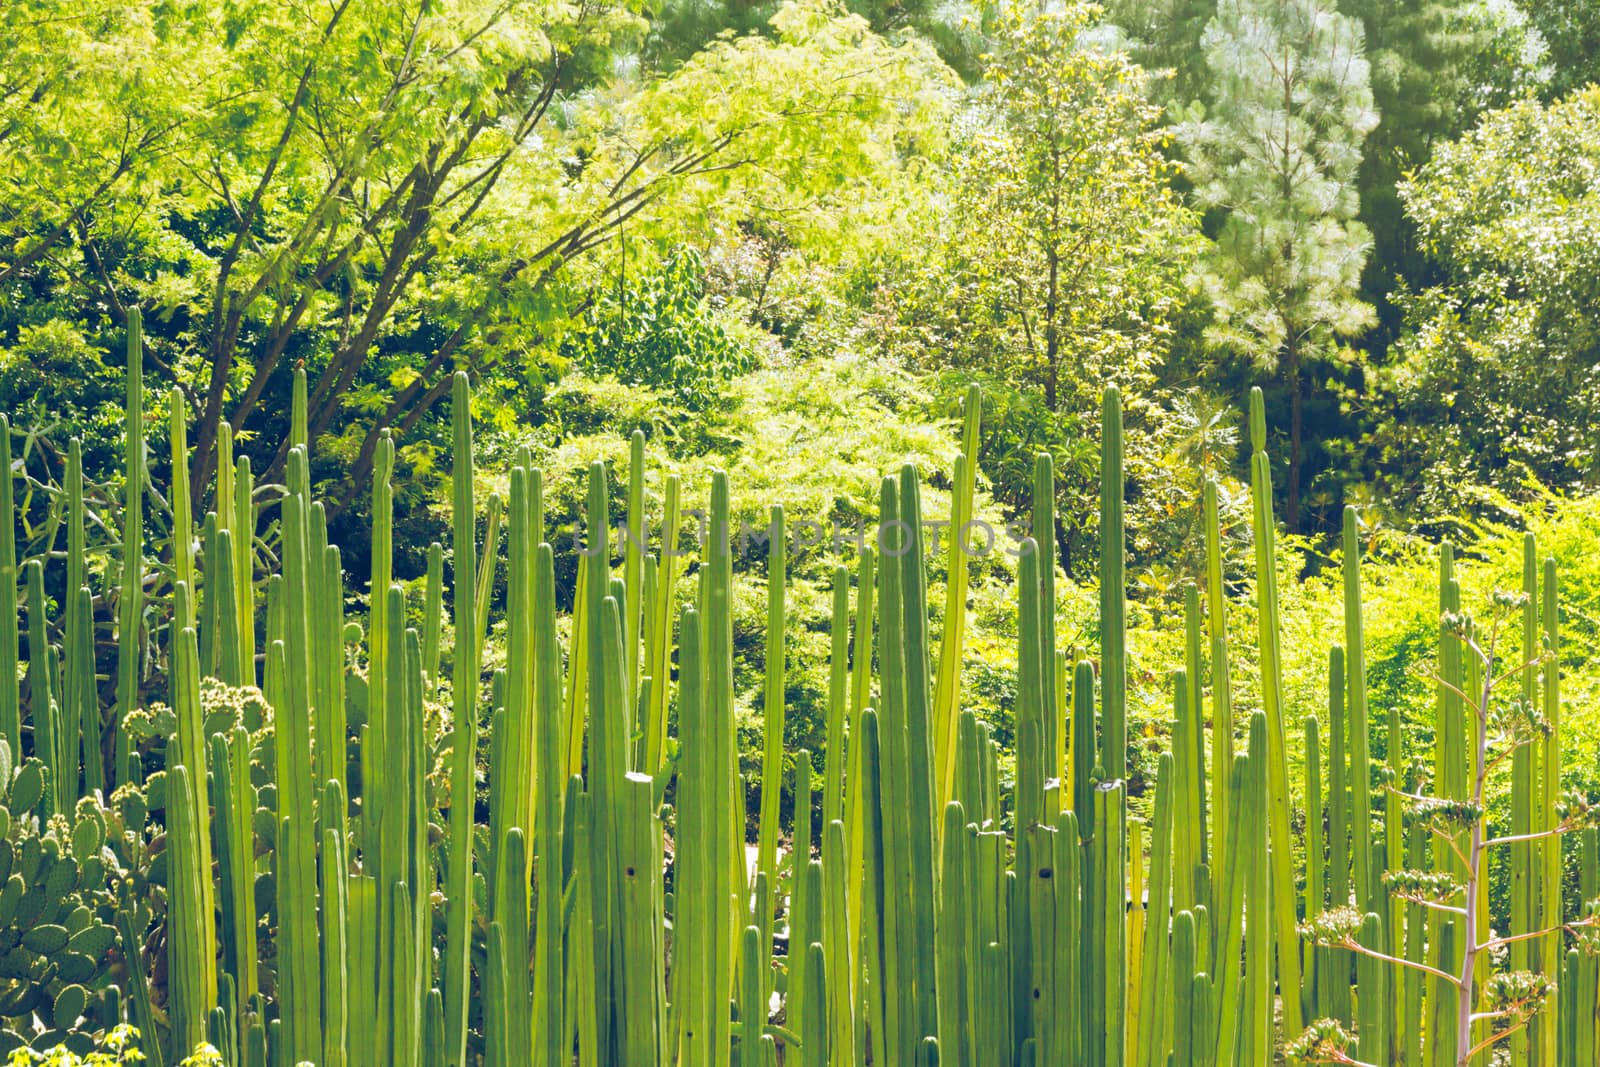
[1165, 36]
[1277, 158]
[1436, 66]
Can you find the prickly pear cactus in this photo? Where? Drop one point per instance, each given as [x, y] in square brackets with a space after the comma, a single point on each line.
[119, 1048]
[56, 917]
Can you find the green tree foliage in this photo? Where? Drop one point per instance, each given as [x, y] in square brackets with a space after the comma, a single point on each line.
[1276, 159]
[1064, 255]
[1075, 242]
[1573, 33]
[660, 331]
[1165, 36]
[1496, 385]
[1436, 65]
[388, 192]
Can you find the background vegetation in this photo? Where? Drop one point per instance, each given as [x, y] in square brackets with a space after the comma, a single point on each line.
[781, 238]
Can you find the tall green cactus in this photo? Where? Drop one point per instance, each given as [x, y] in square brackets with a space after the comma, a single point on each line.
[1550, 913]
[1151, 1043]
[1113, 609]
[939, 919]
[1044, 538]
[1284, 914]
[130, 605]
[919, 748]
[772, 726]
[1333, 989]
[1221, 693]
[947, 687]
[1316, 866]
[10, 691]
[464, 696]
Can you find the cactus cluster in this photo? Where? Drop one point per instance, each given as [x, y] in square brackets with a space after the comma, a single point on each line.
[57, 915]
[335, 845]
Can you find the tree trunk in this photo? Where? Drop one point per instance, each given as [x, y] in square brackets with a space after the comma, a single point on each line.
[1297, 415]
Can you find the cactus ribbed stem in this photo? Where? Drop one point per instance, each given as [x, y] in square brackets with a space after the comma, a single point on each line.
[1551, 916]
[130, 606]
[1316, 900]
[1154, 1026]
[658, 656]
[1113, 609]
[1281, 850]
[464, 693]
[772, 706]
[10, 692]
[947, 687]
[549, 1027]
[1221, 695]
[1044, 537]
[919, 748]
[1333, 989]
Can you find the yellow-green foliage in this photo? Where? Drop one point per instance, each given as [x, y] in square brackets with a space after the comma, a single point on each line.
[118, 1048]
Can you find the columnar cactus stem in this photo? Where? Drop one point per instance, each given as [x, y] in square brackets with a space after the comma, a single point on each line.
[1071, 1024]
[243, 528]
[1044, 537]
[549, 1027]
[920, 754]
[838, 679]
[1258, 871]
[1333, 989]
[879, 960]
[837, 946]
[954, 1012]
[1521, 855]
[1040, 888]
[635, 534]
[373, 770]
[1183, 980]
[802, 931]
[1113, 609]
[1221, 695]
[1111, 862]
[698, 908]
[41, 701]
[640, 856]
[1195, 754]
[752, 997]
[77, 653]
[1155, 1028]
[1136, 920]
[190, 748]
[861, 645]
[130, 606]
[814, 1039]
[189, 952]
[1367, 885]
[772, 706]
[727, 814]
[10, 691]
[1281, 849]
[463, 744]
[1316, 900]
[947, 688]
[899, 981]
[335, 929]
[1548, 1021]
[1028, 803]
[658, 653]
[1372, 980]
[1188, 786]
